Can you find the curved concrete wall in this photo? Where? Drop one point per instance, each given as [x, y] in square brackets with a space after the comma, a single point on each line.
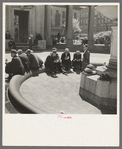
[21, 104]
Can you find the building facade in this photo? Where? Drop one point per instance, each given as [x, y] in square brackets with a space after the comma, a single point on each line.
[24, 20]
[58, 18]
[21, 21]
[101, 22]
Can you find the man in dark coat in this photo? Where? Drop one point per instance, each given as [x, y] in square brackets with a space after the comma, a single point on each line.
[11, 44]
[86, 56]
[77, 62]
[53, 63]
[58, 36]
[66, 59]
[35, 61]
[15, 66]
[24, 59]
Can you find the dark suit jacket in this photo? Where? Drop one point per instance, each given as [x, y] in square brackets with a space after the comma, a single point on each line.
[64, 56]
[35, 61]
[86, 57]
[25, 61]
[49, 62]
[78, 57]
[15, 66]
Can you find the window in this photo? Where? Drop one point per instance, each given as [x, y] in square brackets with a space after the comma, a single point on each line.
[63, 14]
[75, 15]
[57, 19]
[57, 11]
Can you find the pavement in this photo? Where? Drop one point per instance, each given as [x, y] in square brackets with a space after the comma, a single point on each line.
[54, 95]
[95, 58]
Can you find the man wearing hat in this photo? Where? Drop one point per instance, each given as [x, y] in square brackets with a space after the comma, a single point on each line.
[66, 59]
[35, 61]
[15, 66]
[77, 60]
[86, 56]
[52, 62]
[24, 59]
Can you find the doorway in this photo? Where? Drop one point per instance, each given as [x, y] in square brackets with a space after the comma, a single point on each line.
[21, 19]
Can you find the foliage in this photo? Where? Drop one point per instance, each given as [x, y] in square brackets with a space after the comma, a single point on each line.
[76, 26]
[101, 37]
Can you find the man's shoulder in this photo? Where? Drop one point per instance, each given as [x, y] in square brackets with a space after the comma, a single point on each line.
[17, 58]
[23, 55]
[32, 55]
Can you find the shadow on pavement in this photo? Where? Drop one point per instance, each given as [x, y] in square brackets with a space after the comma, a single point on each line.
[108, 111]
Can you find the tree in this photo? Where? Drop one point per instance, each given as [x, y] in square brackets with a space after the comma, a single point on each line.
[105, 21]
[76, 27]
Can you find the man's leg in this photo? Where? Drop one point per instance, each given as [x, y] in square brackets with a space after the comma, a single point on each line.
[81, 66]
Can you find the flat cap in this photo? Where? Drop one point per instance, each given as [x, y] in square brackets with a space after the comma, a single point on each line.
[13, 51]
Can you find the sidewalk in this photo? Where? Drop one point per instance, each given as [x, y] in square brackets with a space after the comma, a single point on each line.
[95, 58]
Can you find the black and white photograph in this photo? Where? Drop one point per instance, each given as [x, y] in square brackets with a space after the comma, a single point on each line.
[61, 59]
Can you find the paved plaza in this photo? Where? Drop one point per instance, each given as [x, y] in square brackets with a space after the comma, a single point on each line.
[95, 58]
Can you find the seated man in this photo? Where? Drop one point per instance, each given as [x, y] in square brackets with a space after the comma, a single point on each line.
[77, 62]
[35, 61]
[66, 60]
[52, 63]
[24, 59]
[15, 66]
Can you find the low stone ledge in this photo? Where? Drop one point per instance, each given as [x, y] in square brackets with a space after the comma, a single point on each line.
[99, 102]
[21, 104]
[98, 92]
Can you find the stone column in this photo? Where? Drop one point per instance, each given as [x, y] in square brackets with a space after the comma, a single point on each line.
[10, 19]
[48, 25]
[30, 23]
[111, 68]
[33, 22]
[69, 36]
[113, 49]
[91, 28]
[12, 24]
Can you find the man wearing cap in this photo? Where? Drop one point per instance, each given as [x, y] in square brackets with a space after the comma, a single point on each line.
[15, 66]
[52, 62]
[66, 60]
[35, 61]
[77, 60]
[24, 59]
[86, 56]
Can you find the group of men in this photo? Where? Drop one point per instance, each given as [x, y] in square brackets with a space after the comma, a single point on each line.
[26, 61]
[22, 62]
[55, 64]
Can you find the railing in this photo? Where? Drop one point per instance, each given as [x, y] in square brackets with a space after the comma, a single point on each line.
[18, 101]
